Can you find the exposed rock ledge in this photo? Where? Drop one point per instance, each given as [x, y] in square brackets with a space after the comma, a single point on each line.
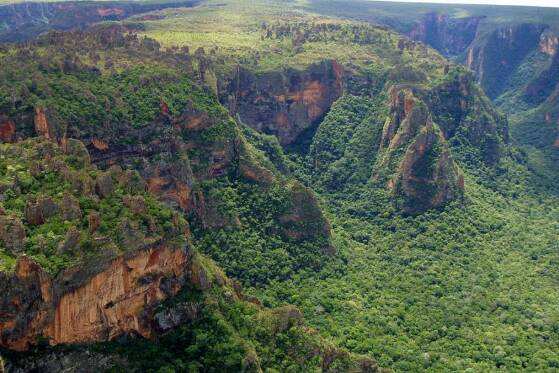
[87, 305]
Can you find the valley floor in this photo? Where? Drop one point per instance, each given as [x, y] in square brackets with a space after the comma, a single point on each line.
[472, 288]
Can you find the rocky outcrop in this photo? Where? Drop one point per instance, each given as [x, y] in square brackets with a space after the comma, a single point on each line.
[94, 283]
[542, 87]
[549, 41]
[7, 129]
[42, 123]
[425, 176]
[40, 209]
[12, 233]
[450, 36]
[89, 304]
[284, 103]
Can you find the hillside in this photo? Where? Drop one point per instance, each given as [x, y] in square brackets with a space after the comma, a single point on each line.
[263, 186]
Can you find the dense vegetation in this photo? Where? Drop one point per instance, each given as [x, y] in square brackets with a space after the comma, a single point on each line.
[432, 291]
[468, 285]
[234, 336]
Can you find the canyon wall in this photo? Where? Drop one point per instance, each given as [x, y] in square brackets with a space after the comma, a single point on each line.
[284, 103]
[88, 304]
[496, 57]
[450, 36]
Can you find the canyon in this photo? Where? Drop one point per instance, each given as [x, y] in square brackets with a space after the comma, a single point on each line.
[279, 187]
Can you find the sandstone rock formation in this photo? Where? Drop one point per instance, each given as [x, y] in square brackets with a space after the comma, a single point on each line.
[284, 103]
[94, 293]
[425, 176]
[90, 304]
[12, 233]
[7, 129]
[461, 110]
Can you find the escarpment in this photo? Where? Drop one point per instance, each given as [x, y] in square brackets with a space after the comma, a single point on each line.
[410, 141]
[542, 86]
[496, 57]
[464, 114]
[284, 103]
[95, 257]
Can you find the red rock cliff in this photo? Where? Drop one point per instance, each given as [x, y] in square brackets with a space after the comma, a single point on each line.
[284, 103]
[104, 305]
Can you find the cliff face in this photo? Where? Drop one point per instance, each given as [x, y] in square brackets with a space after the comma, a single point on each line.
[425, 176]
[542, 86]
[461, 110]
[495, 57]
[284, 103]
[78, 306]
[450, 36]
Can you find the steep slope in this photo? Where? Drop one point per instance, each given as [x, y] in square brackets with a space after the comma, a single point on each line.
[425, 290]
[414, 134]
[411, 144]
[102, 223]
[157, 120]
[512, 51]
[450, 36]
[434, 217]
[284, 86]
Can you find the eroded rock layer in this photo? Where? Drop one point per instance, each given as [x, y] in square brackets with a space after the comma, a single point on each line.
[425, 176]
[79, 307]
[284, 103]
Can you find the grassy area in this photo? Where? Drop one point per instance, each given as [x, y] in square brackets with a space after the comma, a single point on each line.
[236, 30]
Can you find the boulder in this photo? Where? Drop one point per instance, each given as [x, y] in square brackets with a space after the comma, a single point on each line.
[136, 204]
[130, 234]
[104, 185]
[94, 221]
[38, 211]
[71, 241]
